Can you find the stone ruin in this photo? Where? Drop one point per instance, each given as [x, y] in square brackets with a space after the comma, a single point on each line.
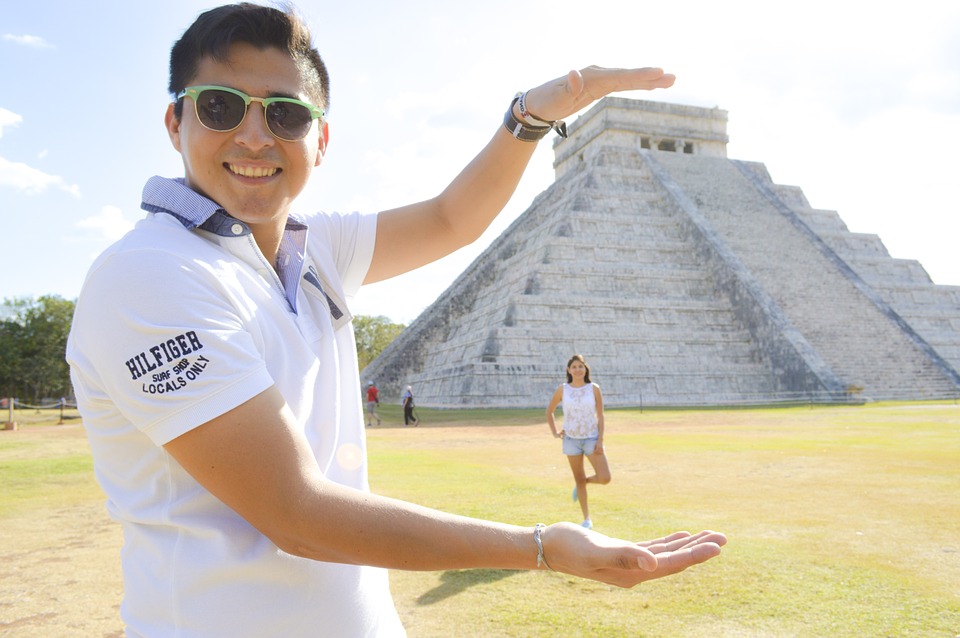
[685, 278]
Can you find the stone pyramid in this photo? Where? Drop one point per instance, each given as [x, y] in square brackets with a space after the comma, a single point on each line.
[684, 278]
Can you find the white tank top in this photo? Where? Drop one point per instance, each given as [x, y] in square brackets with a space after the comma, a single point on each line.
[579, 412]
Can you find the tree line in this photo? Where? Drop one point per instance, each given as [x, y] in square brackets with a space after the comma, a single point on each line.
[33, 340]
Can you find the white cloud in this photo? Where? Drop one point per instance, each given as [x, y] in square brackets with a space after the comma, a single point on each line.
[32, 41]
[30, 180]
[110, 223]
[8, 119]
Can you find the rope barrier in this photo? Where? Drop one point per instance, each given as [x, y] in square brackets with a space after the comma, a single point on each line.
[20, 405]
[11, 404]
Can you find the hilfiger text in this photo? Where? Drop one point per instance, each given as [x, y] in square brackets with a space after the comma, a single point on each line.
[165, 352]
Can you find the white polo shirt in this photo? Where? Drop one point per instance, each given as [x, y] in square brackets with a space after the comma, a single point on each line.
[178, 322]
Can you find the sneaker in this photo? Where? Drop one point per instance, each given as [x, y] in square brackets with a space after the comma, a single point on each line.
[587, 523]
[574, 493]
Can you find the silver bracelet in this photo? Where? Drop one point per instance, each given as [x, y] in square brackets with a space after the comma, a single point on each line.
[537, 530]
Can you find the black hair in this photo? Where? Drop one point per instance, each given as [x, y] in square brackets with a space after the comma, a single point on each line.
[578, 357]
[215, 31]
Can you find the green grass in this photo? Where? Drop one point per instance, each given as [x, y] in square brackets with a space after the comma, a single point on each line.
[842, 521]
[393, 415]
[44, 471]
[54, 483]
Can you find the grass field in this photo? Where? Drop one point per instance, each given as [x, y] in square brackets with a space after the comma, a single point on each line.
[841, 522]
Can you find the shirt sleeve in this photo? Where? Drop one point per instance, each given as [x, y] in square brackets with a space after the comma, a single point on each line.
[349, 240]
[159, 337]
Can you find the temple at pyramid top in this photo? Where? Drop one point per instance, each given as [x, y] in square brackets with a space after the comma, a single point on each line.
[685, 278]
[660, 126]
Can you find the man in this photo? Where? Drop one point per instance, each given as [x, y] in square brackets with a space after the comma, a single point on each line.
[373, 400]
[214, 363]
[406, 400]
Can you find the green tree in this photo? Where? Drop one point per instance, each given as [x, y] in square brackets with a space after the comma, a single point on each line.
[373, 334]
[11, 346]
[33, 339]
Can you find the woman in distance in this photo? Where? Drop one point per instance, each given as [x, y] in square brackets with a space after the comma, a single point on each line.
[582, 430]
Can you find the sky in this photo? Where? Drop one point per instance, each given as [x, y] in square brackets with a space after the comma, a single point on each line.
[857, 103]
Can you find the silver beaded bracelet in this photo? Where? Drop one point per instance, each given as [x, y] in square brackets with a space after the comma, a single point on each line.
[537, 530]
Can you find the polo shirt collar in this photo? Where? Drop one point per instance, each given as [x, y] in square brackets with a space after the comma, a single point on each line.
[174, 197]
[193, 210]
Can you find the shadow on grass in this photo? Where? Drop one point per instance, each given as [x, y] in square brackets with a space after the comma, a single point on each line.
[457, 581]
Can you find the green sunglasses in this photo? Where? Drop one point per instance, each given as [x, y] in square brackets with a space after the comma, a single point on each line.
[220, 108]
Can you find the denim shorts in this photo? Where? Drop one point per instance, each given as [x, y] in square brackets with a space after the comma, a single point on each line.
[576, 447]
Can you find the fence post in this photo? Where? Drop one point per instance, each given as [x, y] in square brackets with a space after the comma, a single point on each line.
[10, 424]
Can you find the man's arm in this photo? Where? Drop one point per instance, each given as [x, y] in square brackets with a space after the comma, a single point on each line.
[253, 459]
[460, 214]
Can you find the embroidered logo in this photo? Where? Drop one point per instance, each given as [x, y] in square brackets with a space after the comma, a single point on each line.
[148, 364]
[163, 353]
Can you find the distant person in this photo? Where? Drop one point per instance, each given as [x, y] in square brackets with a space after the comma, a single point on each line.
[407, 402]
[215, 365]
[373, 400]
[582, 431]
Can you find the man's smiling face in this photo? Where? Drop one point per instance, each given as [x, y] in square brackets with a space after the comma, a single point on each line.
[248, 171]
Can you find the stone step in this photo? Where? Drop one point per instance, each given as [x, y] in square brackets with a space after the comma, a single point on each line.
[852, 335]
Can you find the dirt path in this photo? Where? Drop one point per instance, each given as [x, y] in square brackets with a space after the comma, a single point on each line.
[59, 566]
[60, 574]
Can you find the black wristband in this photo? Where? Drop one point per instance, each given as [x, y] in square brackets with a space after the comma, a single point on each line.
[520, 130]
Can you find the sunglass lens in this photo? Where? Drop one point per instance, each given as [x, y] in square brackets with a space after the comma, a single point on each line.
[289, 120]
[220, 110]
